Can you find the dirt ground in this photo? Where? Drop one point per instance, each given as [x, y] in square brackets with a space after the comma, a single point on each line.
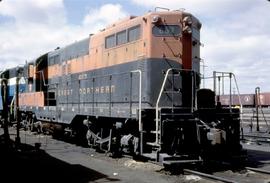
[60, 161]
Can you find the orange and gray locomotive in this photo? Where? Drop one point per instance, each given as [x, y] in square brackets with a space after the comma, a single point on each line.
[134, 88]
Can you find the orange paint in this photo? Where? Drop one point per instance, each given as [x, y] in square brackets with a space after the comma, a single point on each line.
[147, 46]
[32, 99]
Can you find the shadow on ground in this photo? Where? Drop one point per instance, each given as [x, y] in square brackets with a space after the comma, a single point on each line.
[258, 158]
[31, 165]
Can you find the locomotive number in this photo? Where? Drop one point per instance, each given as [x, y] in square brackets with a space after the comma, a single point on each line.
[82, 76]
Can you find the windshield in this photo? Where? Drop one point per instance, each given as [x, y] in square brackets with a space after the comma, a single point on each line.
[166, 30]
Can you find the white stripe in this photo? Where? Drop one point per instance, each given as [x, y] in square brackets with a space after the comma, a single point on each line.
[22, 80]
[12, 81]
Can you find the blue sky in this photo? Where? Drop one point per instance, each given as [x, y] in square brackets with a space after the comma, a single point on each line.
[235, 33]
[76, 10]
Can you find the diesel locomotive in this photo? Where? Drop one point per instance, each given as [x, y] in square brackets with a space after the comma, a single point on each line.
[134, 88]
[8, 78]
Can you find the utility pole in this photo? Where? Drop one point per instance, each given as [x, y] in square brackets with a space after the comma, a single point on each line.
[16, 110]
[257, 102]
[203, 72]
[5, 111]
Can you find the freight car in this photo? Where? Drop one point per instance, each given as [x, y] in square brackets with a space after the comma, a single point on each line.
[247, 100]
[133, 88]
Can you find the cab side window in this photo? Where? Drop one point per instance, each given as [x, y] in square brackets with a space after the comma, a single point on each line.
[134, 33]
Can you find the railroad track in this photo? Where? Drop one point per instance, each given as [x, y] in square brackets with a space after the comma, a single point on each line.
[251, 175]
[256, 138]
[259, 170]
[247, 174]
[208, 176]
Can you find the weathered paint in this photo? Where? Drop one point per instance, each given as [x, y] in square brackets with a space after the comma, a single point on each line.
[89, 79]
[110, 92]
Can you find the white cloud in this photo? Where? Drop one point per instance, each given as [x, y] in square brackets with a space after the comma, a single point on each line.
[34, 11]
[235, 34]
[35, 27]
[104, 16]
[199, 6]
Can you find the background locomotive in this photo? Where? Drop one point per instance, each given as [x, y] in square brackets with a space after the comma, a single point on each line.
[8, 78]
[133, 88]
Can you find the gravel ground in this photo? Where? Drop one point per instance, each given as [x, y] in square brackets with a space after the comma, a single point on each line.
[59, 161]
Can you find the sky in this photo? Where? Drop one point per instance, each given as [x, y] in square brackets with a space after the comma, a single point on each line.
[235, 33]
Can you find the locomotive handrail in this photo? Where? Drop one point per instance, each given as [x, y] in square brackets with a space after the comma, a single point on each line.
[237, 88]
[140, 108]
[160, 94]
[43, 78]
[156, 8]
[241, 105]
[140, 97]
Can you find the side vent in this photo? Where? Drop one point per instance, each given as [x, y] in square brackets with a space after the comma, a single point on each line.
[31, 71]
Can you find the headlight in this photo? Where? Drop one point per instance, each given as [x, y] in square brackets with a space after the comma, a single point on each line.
[187, 21]
[187, 30]
[155, 19]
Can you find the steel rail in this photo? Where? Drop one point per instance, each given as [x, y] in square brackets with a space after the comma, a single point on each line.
[259, 170]
[213, 177]
[257, 136]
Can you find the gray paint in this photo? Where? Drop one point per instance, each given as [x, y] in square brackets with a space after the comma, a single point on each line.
[74, 97]
[74, 50]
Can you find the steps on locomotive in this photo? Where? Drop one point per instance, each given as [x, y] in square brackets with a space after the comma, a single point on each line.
[174, 117]
[175, 113]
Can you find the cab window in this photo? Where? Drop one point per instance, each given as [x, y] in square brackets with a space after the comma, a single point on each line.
[110, 41]
[121, 37]
[134, 33]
